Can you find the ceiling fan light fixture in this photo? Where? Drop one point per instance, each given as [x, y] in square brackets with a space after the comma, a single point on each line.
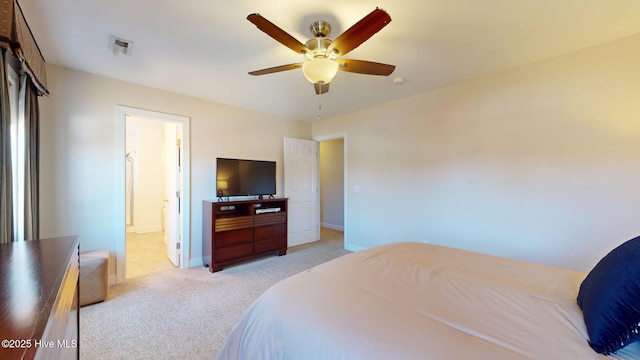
[321, 65]
[320, 70]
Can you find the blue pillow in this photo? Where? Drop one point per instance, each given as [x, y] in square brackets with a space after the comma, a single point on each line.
[610, 299]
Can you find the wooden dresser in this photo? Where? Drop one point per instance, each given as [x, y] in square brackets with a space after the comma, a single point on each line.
[239, 230]
[39, 299]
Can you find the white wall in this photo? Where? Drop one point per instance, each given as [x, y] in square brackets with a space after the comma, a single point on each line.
[332, 184]
[79, 154]
[541, 163]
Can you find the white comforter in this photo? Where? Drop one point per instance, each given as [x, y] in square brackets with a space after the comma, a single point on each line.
[418, 301]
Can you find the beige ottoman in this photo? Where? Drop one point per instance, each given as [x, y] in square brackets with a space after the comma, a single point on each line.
[94, 276]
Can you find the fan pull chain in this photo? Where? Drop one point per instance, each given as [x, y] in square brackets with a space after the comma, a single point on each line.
[319, 106]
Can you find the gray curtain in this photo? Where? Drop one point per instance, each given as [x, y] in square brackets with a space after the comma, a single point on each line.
[17, 40]
[6, 196]
[32, 158]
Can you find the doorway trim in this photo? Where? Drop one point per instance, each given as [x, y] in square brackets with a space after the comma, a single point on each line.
[336, 136]
[121, 115]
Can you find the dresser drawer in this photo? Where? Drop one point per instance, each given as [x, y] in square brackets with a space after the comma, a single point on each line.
[232, 252]
[233, 223]
[270, 245]
[233, 237]
[270, 218]
[264, 232]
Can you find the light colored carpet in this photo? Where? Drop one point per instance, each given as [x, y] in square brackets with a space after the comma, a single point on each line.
[187, 314]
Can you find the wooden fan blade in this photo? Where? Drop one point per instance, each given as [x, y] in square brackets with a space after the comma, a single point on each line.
[365, 67]
[276, 69]
[278, 34]
[321, 88]
[360, 32]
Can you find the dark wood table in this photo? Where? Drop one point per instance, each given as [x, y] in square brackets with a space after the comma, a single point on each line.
[39, 299]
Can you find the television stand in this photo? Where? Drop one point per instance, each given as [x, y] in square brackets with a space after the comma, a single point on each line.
[239, 230]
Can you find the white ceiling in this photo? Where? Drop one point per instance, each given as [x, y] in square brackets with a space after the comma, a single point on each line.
[205, 48]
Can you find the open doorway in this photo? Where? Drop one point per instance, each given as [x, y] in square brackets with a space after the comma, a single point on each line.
[332, 174]
[154, 193]
[146, 199]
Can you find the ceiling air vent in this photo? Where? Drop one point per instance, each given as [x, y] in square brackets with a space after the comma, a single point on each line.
[120, 46]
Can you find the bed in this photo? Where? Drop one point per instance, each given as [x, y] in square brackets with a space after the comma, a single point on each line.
[421, 301]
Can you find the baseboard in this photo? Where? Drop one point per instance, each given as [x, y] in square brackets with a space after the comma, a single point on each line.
[333, 226]
[353, 248]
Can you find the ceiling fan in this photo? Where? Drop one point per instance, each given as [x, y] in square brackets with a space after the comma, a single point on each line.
[321, 53]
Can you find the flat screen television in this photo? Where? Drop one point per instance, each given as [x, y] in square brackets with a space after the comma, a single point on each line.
[237, 177]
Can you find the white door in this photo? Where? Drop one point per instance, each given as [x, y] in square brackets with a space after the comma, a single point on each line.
[173, 188]
[301, 187]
